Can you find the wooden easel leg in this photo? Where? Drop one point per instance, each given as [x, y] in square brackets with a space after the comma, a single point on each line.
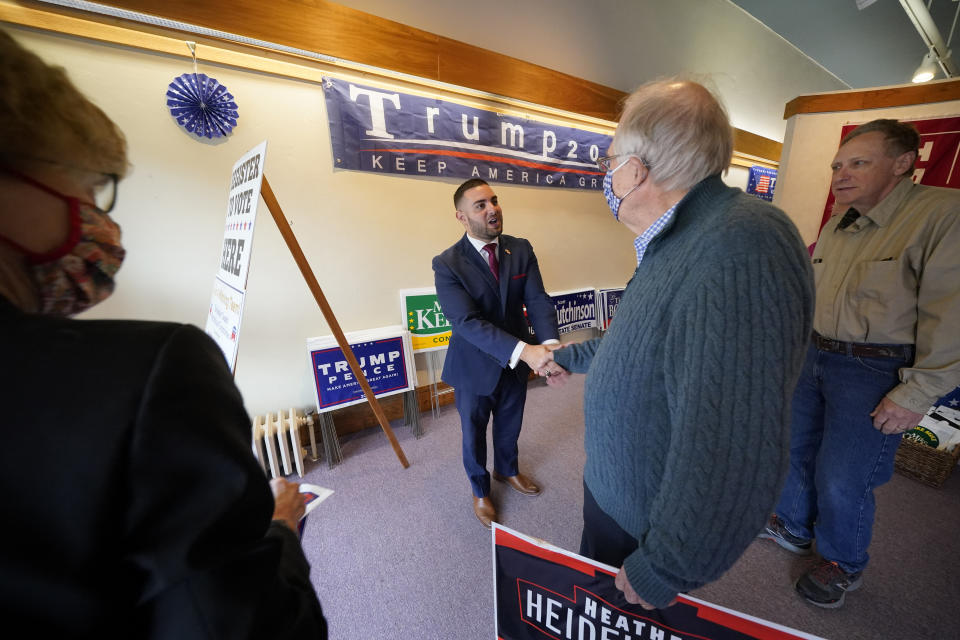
[271, 200]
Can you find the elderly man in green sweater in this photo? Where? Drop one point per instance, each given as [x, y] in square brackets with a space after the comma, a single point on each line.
[687, 396]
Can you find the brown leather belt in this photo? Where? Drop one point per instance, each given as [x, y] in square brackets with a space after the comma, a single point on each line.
[860, 350]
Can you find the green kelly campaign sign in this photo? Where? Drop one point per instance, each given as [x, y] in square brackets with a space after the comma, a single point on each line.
[429, 329]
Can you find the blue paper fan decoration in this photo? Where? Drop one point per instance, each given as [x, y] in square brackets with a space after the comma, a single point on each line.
[201, 105]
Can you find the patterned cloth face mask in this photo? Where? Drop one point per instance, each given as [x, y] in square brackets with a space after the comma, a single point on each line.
[80, 273]
[612, 200]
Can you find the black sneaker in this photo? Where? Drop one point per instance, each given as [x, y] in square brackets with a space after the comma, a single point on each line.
[777, 531]
[825, 584]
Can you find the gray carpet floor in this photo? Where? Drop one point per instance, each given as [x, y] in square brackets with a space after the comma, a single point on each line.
[398, 552]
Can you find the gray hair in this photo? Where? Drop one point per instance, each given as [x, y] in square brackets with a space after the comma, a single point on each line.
[679, 129]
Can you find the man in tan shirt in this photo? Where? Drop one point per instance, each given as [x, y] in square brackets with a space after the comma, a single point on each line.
[884, 349]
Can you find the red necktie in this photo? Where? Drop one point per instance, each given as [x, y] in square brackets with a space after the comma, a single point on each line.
[491, 250]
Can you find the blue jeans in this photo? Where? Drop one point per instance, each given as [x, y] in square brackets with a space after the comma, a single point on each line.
[837, 458]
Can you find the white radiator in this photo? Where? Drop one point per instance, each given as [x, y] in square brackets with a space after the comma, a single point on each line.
[276, 442]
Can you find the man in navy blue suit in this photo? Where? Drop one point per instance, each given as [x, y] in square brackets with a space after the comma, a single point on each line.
[483, 282]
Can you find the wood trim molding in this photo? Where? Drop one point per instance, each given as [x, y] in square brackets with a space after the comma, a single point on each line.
[902, 96]
[344, 33]
[356, 37]
[751, 144]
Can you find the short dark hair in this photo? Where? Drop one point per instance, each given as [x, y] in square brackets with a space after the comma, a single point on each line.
[466, 186]
[900, 137]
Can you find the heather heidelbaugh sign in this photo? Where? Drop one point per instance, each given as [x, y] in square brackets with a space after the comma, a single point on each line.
[383, 354]
[386, 131]
[429, 328]
[575, 309]
[541, 591]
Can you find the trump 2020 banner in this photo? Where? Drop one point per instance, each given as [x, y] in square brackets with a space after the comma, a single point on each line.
[575, 310]
[541, 591]
[386, 131]
[936, 164]
[384, 356]
[429, 328]
[761, 182]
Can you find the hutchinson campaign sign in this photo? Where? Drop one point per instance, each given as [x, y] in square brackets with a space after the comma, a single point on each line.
[384, 356]
[386, 131]
[429, 328]
[575, 310]
[541, 591]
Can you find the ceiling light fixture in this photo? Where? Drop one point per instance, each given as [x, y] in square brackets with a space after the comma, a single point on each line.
[927, 69]
[938, 52]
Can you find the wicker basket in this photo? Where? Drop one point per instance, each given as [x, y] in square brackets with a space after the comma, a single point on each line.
[926, 464]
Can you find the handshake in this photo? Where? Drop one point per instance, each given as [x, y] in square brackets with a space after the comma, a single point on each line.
[540, 358]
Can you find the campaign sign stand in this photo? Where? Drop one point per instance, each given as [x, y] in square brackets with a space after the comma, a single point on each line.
[542, 591]
[384, 356]
[576, 310]
[430, 333]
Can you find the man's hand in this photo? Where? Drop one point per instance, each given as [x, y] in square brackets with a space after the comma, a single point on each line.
[556, 375]
[536, 356]
[288, 506]
[891, 418]
[631, 596]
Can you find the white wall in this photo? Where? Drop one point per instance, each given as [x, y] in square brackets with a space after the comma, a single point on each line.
[365, 235]
[624, 43]
[803, 182]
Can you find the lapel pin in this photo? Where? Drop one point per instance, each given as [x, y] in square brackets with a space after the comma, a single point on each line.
[507, 251]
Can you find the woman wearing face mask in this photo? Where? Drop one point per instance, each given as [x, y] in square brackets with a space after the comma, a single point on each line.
[133, 505]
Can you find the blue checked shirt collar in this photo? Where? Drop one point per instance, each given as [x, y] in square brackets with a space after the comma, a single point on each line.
[642, 241]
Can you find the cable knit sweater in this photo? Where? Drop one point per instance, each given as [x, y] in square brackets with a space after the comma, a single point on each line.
[687, 396]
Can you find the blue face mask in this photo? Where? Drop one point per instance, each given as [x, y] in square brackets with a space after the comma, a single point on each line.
[612, 200]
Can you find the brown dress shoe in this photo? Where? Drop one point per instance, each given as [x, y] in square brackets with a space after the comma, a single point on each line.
[484, 510]
[520, 483]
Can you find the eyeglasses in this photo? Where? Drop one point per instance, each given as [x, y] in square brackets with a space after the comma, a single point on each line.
[105, 194]
[606, 162]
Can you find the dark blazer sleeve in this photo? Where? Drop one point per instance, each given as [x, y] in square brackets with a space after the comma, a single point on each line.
[199, 528]
[540, 308]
